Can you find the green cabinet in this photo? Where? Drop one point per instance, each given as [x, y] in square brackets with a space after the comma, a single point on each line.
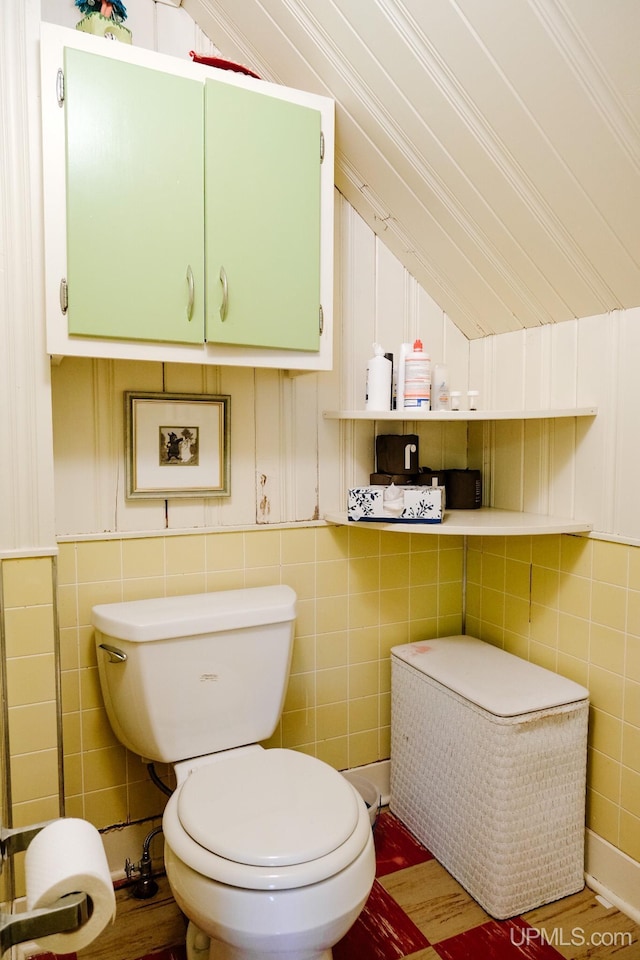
[262, 219]
[193, 209]
[135, 217]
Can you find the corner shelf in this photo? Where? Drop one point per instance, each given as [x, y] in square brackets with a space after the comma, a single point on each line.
[452, 416]
[483, 522]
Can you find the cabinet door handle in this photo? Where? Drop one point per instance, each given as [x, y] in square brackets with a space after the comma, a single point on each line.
[224, 306]
[191, 293]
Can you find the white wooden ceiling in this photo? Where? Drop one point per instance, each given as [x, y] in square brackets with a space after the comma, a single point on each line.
[493, 145]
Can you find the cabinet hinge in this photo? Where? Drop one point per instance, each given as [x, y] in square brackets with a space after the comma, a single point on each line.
[64, 295]
[321, 146]
[321, 320]
[60, 87]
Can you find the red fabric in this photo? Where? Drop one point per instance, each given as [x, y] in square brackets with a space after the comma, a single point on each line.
[222, 64]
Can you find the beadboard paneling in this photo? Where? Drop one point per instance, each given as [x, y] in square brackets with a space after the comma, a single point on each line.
[287, 463]
[26, 493]
[626, 390]
[493, 147]
[583, 468]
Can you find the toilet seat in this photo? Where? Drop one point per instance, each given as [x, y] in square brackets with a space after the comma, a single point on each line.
[269, 808]
[269, 819]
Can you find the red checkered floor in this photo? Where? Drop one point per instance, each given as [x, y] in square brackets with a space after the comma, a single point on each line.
[417, 910]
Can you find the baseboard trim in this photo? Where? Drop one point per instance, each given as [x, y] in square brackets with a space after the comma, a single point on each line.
[378, 773]
[125, 843]
[613, 874]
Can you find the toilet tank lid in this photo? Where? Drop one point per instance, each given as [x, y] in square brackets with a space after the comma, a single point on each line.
[164, 617]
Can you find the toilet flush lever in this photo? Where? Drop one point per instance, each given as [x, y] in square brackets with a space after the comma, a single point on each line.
[115, 655]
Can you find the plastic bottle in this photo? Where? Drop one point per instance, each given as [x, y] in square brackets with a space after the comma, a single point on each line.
[417, 378]
[440, 396]
[405, 348]
[378, 395]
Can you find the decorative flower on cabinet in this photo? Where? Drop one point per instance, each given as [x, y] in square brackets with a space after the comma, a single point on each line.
[111, 9]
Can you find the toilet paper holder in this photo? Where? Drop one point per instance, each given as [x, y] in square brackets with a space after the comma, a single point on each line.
[67, 913]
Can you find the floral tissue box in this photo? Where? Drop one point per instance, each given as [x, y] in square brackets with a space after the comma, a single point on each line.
[396, 504]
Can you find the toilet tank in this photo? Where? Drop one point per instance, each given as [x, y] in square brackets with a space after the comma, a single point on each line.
[187, 676]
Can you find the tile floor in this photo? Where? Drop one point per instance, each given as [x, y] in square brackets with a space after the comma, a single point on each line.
[417, 910]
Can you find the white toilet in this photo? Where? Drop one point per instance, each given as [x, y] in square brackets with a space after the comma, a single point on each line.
[268, 852]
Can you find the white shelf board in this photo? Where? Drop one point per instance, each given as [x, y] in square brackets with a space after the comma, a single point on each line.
[483, 522]
[455, 415]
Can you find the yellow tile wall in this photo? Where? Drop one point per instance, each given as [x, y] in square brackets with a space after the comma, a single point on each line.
[29, 633]
[359, 593]
[572, 604]
[29, 630]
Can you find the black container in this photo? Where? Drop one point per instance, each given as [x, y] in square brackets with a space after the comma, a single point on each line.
[397, 453]
[427, 477]
[464, 489]
[386, 479]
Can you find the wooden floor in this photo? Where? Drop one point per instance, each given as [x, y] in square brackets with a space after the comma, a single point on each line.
[416, 910]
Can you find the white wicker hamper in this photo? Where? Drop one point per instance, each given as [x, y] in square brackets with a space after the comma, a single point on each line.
[488, 767]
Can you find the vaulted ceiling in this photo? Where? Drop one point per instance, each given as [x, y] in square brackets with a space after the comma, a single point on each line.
[493, 145]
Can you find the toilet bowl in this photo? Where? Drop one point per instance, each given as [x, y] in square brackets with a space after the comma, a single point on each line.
[268, 852]
[268, 855]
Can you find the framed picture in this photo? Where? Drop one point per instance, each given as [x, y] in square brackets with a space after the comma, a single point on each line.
[177, 445]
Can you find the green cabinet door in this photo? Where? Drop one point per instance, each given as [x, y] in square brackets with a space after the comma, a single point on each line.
[135, 222]
[262, 219]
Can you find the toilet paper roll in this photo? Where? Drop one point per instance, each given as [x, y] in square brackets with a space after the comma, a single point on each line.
[67, 856]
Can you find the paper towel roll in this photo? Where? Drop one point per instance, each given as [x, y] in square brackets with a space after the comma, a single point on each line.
[67, 856]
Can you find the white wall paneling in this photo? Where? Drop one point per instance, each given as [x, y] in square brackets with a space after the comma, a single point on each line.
[26, 467]
[535, 385]
[563, 367]
[332, 470]
[562, 468]
[240, 507]
[270, 439]
[627, 445]
[596, 450]
[488, 176]
[277, 430]
[565, 467]
[358, 303]
[505, 389]
[177, 34]
[288, 464]
[535, 466]
[506, 478]
[303, 448]
[480, 367]
[456, 351]
[286, 447]
[392, 307]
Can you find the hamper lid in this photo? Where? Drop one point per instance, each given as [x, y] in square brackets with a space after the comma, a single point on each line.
[495, 680]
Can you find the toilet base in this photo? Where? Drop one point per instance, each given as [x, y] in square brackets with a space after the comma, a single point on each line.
[202, 947]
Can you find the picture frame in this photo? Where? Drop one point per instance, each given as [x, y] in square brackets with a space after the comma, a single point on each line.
[177, 445]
